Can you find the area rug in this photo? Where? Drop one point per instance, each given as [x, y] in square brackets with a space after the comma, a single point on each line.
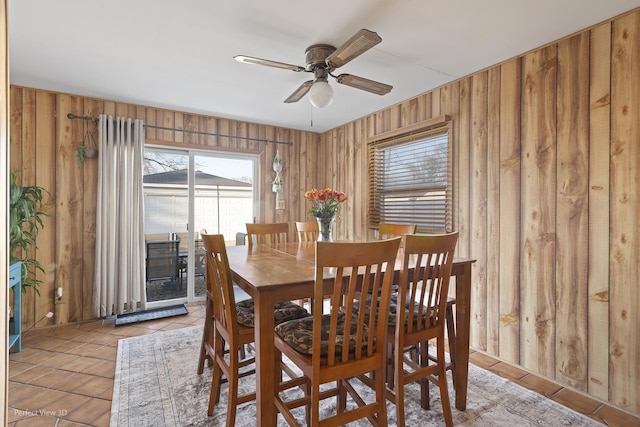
[156, 384]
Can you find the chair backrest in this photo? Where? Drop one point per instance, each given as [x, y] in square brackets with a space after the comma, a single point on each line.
[388, 230]
[426, 287]
[156, 236]
[219, 281]
[374, 263]
[162, 259]
[267, 233]
[200, 262]
[184, 238]
[307, 231]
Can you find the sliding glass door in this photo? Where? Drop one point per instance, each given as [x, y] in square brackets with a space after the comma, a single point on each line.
[187, 191]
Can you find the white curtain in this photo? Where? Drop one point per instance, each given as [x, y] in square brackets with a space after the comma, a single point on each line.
[119, 283]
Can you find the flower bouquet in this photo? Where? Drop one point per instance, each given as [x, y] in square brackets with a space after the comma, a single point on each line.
[325, 205]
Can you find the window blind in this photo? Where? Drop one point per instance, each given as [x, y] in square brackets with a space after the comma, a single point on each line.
[410, 181]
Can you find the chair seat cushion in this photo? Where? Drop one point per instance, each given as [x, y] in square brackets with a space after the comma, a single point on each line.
[299, 335]
[393, 309]
[283, 311]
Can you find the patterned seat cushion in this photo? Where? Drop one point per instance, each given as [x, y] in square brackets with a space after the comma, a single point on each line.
[299, 335]
[393, 309]
[283, 311]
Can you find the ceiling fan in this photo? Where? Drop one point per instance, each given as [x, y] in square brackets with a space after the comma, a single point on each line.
[322, 60]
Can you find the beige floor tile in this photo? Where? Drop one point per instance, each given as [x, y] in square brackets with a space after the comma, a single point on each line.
[52, 378]
[80, 363]
[19, 392]
[94, 387]
[508, 371]
[615, 417]
[73, 382]
[540, 385]
[59, 360]
[46, 343]
[66, 423]
[482, 360]
[68, 346]
[576, 401]
[41, 356]
[70, 402]
[104, 368]
[25, 354]
[39, 421]
[92, 413]
[16, 368]
[40, 400]
[30, 375]
[90, 336]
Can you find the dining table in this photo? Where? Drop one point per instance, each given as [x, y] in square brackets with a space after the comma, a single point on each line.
[286, 272]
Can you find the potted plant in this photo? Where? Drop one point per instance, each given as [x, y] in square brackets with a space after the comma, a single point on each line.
[25, 220]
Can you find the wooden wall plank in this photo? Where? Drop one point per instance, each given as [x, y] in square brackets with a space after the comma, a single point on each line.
[45, 131]
[28, 177]
[478, 208]
[572, 211]
[493, 211]
[190, 122]
[450, 105]
[537, 297]
[409, 114]
[359, 199]
[625, 221]
[599, 196]
[510, 172]
[178, 123]
[69, 210]
[463, 172]
[92, 108]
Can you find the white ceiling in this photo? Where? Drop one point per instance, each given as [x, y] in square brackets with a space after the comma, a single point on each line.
[178, 54]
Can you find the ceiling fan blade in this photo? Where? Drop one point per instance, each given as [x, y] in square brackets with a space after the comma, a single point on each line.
[359, 43]
[300, 92]
[268, 63]
[364, 84]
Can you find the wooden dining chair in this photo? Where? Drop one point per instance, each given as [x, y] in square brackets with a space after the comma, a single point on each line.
[418, 314]
[307, 231]
[231, 323]
[388, 230]
[334, 344]
[269, 233]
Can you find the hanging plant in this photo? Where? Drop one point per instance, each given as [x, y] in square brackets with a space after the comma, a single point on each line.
[89, 149]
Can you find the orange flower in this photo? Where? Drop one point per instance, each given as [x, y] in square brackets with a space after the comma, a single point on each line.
[324, 202]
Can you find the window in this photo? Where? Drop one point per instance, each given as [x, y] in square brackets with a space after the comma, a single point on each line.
[410, 180]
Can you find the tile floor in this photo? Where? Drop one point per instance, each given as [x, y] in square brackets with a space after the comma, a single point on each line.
[64, 375]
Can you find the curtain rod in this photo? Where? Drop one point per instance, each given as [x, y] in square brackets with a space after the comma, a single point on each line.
[93, 119]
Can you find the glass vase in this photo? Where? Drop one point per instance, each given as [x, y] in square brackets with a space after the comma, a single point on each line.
[325, 227]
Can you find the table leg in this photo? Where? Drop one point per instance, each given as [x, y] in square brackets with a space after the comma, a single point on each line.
[463, 318]
[266, 372]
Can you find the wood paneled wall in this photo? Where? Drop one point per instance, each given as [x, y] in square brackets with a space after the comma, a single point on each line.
[547, 200]
[43, 152]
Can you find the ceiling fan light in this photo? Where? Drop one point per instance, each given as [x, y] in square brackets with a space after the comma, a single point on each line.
[321, 94]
